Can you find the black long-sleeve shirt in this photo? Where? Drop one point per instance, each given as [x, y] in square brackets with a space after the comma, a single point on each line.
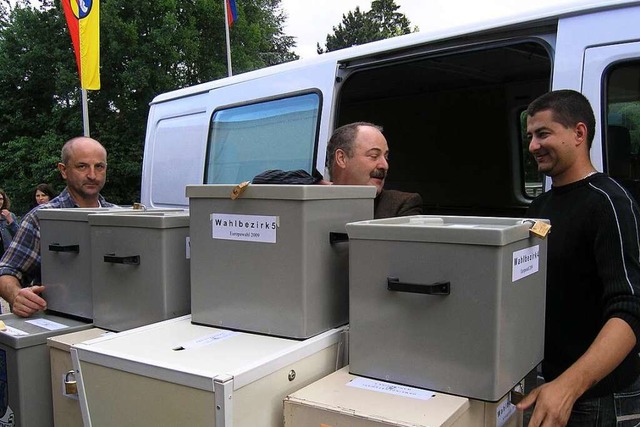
[593, 273]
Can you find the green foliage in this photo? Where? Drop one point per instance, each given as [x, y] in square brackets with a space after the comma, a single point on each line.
[629, 113]
[383, 21]
[147, 48]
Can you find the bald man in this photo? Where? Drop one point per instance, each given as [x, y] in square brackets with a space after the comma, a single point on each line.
[83, 166]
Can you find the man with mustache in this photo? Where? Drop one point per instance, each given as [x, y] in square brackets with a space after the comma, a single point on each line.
[591, 364]
[357, 154]
[84, 166]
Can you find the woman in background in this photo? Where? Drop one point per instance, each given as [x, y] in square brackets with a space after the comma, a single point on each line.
[43, 194]
[8, 221]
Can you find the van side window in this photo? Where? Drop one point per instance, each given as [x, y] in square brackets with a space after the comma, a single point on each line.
[275, 134]
[622, 129]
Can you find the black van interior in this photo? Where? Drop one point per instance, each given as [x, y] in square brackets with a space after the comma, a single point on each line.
[453, 123]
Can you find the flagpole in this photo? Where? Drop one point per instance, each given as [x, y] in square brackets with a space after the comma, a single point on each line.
[85, 113]
[226, 27]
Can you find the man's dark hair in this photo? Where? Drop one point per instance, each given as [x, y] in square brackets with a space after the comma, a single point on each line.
[568, 108]
[343, 139]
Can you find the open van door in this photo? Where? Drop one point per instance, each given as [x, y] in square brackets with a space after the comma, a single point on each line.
[272, 120]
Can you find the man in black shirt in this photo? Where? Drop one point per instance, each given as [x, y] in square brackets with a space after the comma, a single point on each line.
[591, 364]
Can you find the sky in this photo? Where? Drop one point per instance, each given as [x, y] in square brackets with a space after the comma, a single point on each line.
[310, 21]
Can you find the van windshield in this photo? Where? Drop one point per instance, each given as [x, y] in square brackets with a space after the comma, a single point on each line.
[246, 140]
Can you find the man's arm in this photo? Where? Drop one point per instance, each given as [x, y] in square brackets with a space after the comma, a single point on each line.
[24, 301]
[411, 206]
[554, 400]
[18, 262]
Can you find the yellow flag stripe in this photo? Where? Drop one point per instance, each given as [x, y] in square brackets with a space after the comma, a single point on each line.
[89, 28]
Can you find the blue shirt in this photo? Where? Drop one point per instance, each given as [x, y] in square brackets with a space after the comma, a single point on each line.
[22, 258]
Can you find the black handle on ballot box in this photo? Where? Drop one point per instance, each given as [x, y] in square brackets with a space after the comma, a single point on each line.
[57, 247]
[438, 288]
[129, 260]
[338, 237]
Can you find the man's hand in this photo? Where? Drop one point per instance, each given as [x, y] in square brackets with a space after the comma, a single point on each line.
[7, 215]
[27, 301]
[553, 401]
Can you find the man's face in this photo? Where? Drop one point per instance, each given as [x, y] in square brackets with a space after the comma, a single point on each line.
[86, 170]
[368, 165]
[552, 145]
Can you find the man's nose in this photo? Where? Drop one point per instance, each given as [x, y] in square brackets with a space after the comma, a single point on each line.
[383, 164]
[534, 145]
[91, 173]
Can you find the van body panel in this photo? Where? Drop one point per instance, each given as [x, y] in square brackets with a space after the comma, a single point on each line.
[178, 129]
[586, 45]
[451, 101]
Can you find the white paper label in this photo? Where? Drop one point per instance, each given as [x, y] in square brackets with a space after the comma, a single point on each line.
[504, 412]
[14, 331]
[247, 228]
[207, 340]
[47, 324]
[525, 262]
[389, 388]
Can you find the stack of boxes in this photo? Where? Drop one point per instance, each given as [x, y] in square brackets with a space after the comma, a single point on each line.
[452, 305]
[24, 358]
[436, 307]
[269, 305]
[69, 272]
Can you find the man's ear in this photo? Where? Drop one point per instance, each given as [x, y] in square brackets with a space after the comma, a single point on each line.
[581, 133]
[341, 158]
[63, 170]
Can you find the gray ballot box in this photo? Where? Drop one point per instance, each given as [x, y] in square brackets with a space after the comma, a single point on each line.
[175, 373]
[65, 251]
[275, 259]
[343, 399]
[140, 268]
[452, 304]
[25, 371]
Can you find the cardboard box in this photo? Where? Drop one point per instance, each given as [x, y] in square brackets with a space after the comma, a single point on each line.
[345, 400]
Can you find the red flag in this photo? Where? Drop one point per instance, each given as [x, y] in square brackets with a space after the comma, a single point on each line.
[83, 19]
[232, 12]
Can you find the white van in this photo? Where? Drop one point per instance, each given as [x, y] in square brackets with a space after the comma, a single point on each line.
[451, 103]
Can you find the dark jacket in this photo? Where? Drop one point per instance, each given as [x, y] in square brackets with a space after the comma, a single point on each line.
[7, 231]
[392, 203]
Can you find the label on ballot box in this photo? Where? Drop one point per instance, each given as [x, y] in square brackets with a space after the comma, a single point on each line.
[246, 228]
[525, 262]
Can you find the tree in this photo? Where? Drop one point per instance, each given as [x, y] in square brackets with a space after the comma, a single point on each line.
[383, 21]
[147, 48]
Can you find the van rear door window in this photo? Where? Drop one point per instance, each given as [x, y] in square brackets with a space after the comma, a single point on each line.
[622, 130]
[275, 134]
